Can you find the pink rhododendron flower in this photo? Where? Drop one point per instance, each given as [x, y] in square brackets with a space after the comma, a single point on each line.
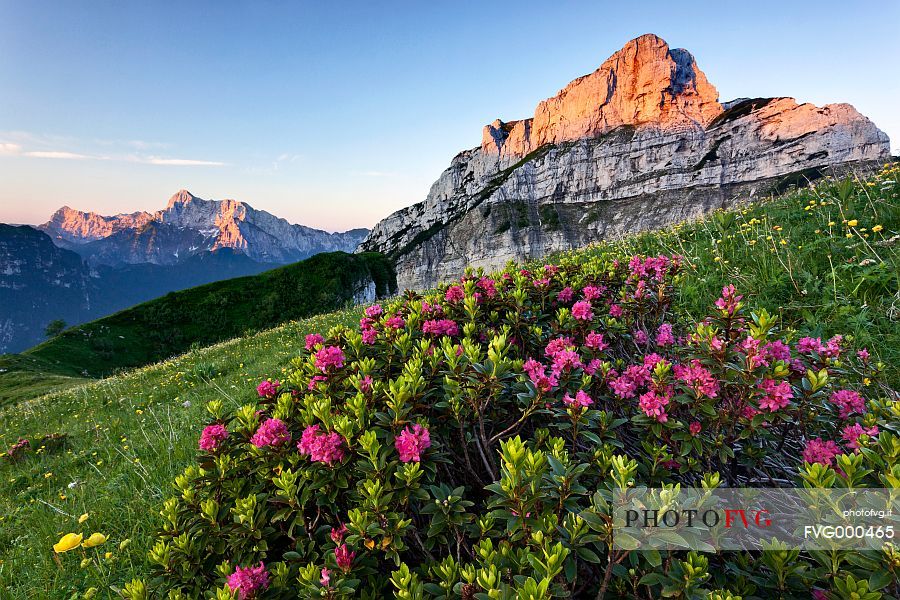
[395, 322]
[541, 283]
[851, 434]
[651, 360]
[315, 380]
[212, 436]
[320, 446]
[820, 451]
[664, 335]
[591, 292]
[412, 442]
[272, 432]
[752, 347]
[313, 340]
[808, 345]
[697, 378]
[537, 374]
[863, 355]
[581, 399]
[777, 350]
[654, 266]
[695, 427]
[337, 534]
[374, 311]
[581, 310]
[369, 336]
[344, 557]
[595, 341]
[566, 360]
[640, 337]
[615, 311]
[365, 384]
[833, 347]
[268, 389]
[818, 594]
[432, 309]
[329, 357]
[777, 395]
[623, 387]
[555, 346]
[440, 327]
[729, 301]
[592, 366]
[849, 402]
[455, 293]
[654, 405]
[325, 578]
[488, 285]
[248, 581]
[565, 296]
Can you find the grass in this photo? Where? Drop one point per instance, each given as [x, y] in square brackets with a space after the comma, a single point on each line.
[196, 317]
[128, 436]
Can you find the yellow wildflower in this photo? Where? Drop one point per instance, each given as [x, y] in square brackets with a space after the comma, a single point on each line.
[95, 540]
[70, 541]
[877, 228]
[852, 222]
[83, 518]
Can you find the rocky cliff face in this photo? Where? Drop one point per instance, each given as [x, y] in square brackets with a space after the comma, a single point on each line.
[640, 143]
[190, 225]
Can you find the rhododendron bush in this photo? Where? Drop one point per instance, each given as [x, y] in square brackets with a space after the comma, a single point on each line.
[466, 443]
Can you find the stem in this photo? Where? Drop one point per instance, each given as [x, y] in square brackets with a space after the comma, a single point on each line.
[492, 469]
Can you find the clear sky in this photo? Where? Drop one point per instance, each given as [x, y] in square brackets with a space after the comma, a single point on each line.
[334, 114]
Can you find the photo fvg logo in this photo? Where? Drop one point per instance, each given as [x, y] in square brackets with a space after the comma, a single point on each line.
[726, 517]
[754, 518]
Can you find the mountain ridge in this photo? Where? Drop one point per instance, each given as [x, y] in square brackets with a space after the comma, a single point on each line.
[188, 225]
[639, 143]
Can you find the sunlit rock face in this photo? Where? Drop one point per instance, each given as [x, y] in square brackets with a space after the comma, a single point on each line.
[640, 143]
[190, 225]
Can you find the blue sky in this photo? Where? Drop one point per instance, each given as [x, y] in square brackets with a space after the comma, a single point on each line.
[335, 114]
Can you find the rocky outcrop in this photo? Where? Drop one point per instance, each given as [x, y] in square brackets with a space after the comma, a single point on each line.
[190, 225]
[640, 143]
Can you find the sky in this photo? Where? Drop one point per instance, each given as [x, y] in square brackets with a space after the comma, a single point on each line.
[335, 114]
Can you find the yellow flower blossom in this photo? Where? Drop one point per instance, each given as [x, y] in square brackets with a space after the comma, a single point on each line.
[95, 540]
[70, 541]
[852, 223]
[83, 518]
[877, 228]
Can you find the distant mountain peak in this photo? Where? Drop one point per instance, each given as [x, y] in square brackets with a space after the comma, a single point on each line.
[190, 225]
[181, 197]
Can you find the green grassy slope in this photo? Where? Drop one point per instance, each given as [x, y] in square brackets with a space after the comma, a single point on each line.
[128, 436]
[23, 376]
[196, 317]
